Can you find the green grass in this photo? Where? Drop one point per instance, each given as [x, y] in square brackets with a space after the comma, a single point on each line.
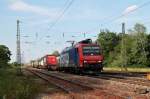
[13, 86]
[135, 69]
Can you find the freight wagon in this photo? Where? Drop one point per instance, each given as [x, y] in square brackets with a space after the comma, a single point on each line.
[47, 62]
[34, 63]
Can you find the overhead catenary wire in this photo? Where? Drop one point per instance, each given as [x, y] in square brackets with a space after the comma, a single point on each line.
[120, 16]
[67, 5]
[123, 15]
[108, 22]
[61, 14]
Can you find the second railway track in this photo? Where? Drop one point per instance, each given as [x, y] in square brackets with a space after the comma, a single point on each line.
[83, 84]
[126, 79]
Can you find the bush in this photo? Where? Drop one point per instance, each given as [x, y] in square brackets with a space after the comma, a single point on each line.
[4, 56]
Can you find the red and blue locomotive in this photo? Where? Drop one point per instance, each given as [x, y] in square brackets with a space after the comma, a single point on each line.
[83, 56]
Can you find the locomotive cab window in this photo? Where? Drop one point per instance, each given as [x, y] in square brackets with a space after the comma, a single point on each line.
[91, 50]
[76, 50]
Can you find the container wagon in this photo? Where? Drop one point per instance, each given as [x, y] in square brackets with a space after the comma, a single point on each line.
[48, 62]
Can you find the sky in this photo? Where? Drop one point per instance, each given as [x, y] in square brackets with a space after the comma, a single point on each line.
[43, 22]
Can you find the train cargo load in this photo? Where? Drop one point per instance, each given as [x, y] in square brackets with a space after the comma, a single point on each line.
[48, 62]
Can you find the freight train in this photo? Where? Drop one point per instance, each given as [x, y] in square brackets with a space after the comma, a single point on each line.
[83, 56]
[46, 62]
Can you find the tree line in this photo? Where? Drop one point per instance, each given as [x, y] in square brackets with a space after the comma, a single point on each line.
[130, 49]
[4, 56]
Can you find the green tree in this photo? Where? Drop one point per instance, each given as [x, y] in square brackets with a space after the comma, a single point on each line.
[148, 49]
[138, 50]
[4, 55]
[130, 49]
[108, 41]
[122, 51]
[139, 28]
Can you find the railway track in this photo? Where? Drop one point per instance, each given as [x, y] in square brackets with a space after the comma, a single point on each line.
[74, 87]
[114, 85]
[66, 85]
[121, 78]
[125, 78]
[137, 81]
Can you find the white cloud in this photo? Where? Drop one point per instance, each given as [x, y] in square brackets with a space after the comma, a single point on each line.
[22, 6]
[130, 9]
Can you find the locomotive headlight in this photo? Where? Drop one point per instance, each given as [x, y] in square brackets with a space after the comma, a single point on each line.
[85, 61]
[99, 61]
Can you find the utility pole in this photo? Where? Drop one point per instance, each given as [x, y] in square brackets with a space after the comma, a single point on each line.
[63, 35]
[123, 48]
[18, 56]
[36, 36]
[84, 35]
[123, 28]
[22, 58]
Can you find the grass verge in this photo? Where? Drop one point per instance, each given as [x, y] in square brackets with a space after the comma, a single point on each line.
[129, 69]
[13, 86]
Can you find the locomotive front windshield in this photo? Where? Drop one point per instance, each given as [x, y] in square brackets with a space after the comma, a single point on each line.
[91, 50]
